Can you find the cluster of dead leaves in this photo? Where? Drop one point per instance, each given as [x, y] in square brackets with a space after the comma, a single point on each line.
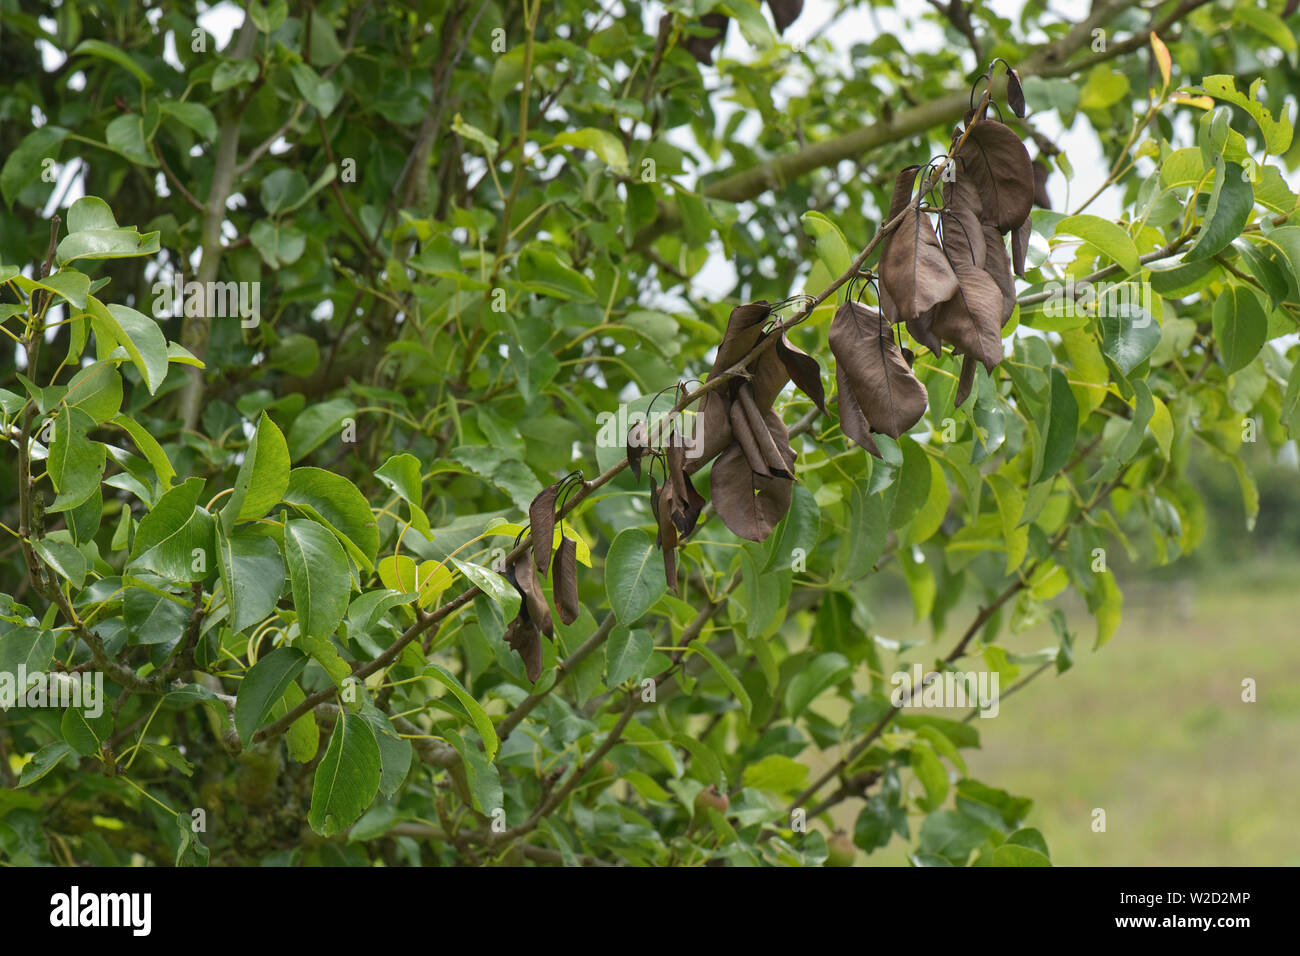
[952, 285]
[949, 285]
[534, 619]
[738, 430]
[701, 45]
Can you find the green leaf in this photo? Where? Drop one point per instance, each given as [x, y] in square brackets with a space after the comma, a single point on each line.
[46, 759]
[63, 558]
[481, 776]
[69, 285]
[821, 672]
[170, 534]
[303, 736]
[953, 835]
[112, 54]
[125, 136]
[324, 653]
[1277, 133]
[395, 755]
[347, 777]
[912, 488]
[1011, 855]
[336, 503]
[1011, 505]
[138, 334]
[626, 654]
[482, 722]
[753, 26]
[115, 243]
[1290, 414]
[634, 578]
[1104, 88]
[263, 476]
[96, 390]
[282, 190]
[705, 764]
[263, 685]
[153, 615]
[232, 73]
[1240, 327]
[1061, 428]
[26, 163]
[877, 822]
[920, 581]
[149, 447]
[1231, 202]
[30, 648]
[75, 463]
[929, 770]
[194, 115]
[863, 540]
[495, 586]
[474, 134]
[606, 146]
[318, 576]
[831, 246]
[90, 212]
[321, 94]
[1129, 335]
[401, 474]
[252, 573]
[1107, 236]
[724, 672]
[776, 773]
[77, 730]
[541, 271]
[317, 424]
[1106, 604]
[798, 531]
[279, 245]
[171, 756]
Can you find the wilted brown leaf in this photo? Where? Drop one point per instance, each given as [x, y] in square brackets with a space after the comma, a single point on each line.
[998, 266]
[968, 364]
[667, 537]
[1041, 172]
[746, 441]
[564, 580]
[744, 329]
[997, 164]
[803, 369]
[913, 269]
[524, 640]
[749, 504]
[534, 603]
[971, 320]
[767, 445]
[1020, 245]
[638, 440]
[886, 393]
[702, 47]
[784, 12]
[541, 519]
[1015, 93]
[853, 423]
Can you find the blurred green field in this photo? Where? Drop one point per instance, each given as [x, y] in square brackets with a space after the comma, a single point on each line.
[1153, 729]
